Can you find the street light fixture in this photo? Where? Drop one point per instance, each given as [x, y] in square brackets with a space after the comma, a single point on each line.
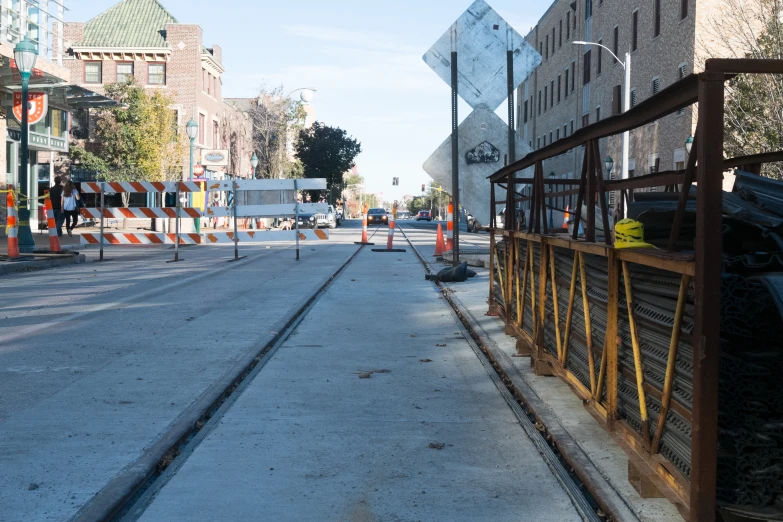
[626, 106]
[25, 55]
[307, 93]
[254, 163]
[689, 144]
[609, 164]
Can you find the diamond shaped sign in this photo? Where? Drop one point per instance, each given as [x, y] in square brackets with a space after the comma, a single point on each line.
[483, 38]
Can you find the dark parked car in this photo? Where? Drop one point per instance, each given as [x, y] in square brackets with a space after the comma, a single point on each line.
[424, 215]
[307, 221]
[377, 216]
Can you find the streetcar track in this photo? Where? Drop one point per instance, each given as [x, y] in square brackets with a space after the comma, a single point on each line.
[580, 497]
[127, 497]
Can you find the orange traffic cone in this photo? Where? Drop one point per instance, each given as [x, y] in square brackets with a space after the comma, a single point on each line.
[566, 217]
[440, 245]
[13, 226]
[54, 240]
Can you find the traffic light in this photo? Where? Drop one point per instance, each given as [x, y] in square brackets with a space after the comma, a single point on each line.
[423, 185]
[395, 181]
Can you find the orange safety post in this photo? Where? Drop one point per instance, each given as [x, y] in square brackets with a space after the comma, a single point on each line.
[440, 245]
[365, 240]
[54, 240]
[450, 228]
[392, 225]
[566, 217]
[12, 226]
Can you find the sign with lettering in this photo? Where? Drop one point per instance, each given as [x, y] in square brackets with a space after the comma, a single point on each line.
[215, 158]
[37, 108]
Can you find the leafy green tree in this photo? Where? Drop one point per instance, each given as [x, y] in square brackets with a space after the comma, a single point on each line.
[327, 152]
[137, 140]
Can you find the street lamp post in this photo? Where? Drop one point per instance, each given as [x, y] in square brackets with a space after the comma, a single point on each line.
[254, 163]
[689, 144]
[25, 55]
[620, 204]
[609, 164]
[192, 130]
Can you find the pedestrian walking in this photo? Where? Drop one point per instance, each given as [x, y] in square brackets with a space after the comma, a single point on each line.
[69, 202]
[56, 194]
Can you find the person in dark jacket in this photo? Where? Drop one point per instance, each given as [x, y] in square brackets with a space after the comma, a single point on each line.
[55, 194]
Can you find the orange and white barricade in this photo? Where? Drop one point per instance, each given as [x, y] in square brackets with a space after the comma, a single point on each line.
[54, 239]
[390, 240]
[450, 228]
[12, 227]
[140, 238]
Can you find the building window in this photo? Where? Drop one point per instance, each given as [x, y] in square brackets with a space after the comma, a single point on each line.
[93, 72]
[600, 52]
[559, 87]
[635, 31]
[124, 71]
[203, 80]
[587, 67]
[541, 48]
[550, 137]
[683, 9]
[657, 15]
[557, 136]
[598, 114]
[553, 41]
[539, 101]
[588, 9]
[560, 35]
[525, 121]
[568, 25]
[565, 94]
[633, 98]
[616, 43]
[585, 120]
[617, 100]
[552, 93]
[546, 49]
[202, 129]
[215, 135]
[565, 130]
[546, 96]
[656, 85]
[573, 74]
[680, 165]
[572, 127]
[156, 74]
[538, 146]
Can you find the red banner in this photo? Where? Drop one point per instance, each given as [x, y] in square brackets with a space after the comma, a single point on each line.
[38, 107]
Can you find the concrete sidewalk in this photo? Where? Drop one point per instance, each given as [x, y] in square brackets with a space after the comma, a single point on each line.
[425, 435]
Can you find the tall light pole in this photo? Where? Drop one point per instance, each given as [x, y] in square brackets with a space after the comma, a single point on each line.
[192, 130]
[25, 55]
[619, 203]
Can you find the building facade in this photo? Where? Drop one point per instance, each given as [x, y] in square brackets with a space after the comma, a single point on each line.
[140, 38]
[577, 85]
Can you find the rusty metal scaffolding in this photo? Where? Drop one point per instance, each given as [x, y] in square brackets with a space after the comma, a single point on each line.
[591, 336]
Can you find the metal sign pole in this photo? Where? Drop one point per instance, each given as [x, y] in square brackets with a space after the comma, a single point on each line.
[234, 211]
[296, 219]
[454, 143]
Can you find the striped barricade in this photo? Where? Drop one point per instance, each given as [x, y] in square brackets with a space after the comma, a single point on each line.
[267, 184]
[140, 238]
[250, 236]
[140, 213]
[283, 209]
[139, 187]
[51, 223]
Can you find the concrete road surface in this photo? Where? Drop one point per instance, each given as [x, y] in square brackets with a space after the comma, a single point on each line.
[425, 436]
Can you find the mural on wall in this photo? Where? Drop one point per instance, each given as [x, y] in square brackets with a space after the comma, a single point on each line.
[484, 152]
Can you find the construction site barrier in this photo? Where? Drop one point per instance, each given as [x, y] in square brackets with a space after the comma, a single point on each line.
[141, 187]
[54, 239]
[12, 225]
[261, 236]
[140, 213]
[140, 238]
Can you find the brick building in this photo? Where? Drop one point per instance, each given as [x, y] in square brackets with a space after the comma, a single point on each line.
[576, 85]
[140, 38]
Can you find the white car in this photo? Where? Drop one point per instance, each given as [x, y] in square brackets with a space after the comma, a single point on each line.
[326, 220]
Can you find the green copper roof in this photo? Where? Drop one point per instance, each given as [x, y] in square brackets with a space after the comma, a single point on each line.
[131, 23]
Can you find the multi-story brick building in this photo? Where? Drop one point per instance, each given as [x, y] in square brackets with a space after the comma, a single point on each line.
[140, 38]
[579, 84]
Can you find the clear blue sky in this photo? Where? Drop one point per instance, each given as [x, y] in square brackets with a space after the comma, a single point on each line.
[363, 57]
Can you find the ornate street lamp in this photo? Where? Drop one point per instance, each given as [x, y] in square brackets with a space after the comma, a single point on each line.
[192, 129]
[609, 164]
[25, 55]
[689, 144]
[254, 163]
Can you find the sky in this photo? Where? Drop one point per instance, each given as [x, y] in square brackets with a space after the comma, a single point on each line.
[363, 57]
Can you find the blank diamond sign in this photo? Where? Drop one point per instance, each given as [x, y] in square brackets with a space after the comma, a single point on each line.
[482, 41]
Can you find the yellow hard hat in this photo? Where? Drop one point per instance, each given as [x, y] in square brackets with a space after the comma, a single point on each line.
[629, 233]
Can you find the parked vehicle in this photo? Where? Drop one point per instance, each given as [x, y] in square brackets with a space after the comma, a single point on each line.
[377, 216]
[326, 220]
[307, 221]
[476, 227]
[403, 215]
[424, 215]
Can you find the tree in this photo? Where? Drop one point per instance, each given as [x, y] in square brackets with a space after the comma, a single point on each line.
[136, 140]
[276, 120]
[327, 152]
[754, 102]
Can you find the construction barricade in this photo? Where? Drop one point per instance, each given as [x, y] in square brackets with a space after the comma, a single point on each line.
[12, 227]
[54, 239]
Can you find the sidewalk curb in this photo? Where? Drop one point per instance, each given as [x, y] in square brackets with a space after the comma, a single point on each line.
[107, 503]
[41, 264]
